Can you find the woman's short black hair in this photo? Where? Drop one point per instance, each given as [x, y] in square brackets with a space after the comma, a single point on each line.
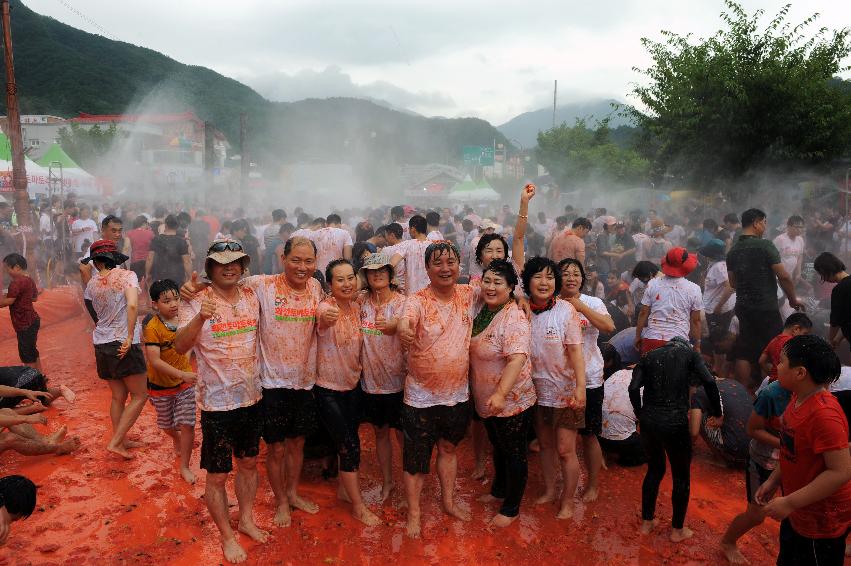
[571, 261]
[645, 270]
[826, 265]
[357, 251]
[611, 360]
[815, 355]
[536, 265]
[504, 269]
[17, 495]
[487, 239]
[336, 263]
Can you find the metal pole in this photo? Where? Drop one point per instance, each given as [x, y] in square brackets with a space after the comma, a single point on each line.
[555, 97]
[19, 172]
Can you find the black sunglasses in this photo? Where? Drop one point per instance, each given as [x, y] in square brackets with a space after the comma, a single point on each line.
[222, 246]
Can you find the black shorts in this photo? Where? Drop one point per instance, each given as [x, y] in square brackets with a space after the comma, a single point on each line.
[756, 329]
[229, 434]
[288, 413]
[797, 550]
[30, 379]
[593, 412]
[27, 339]
[340, 412]
[383, 409]
[755, 476]
[424, 427]
[110, 366]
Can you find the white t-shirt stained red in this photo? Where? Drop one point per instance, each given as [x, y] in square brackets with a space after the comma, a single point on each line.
[552, 372]
[671, 301]
[381, 355]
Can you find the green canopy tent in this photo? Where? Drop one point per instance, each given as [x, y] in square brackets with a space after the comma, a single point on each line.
[57, 154]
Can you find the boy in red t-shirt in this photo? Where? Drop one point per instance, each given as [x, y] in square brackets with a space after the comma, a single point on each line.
[798, 323]
[21, 295]
[815, 464]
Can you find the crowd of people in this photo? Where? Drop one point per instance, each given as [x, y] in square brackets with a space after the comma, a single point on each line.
[614, 338]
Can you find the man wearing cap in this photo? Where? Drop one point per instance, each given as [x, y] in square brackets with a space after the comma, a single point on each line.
[671, 305]
[220, 323]
[657, 246]
[754, 268]
[287, 334]
[112, 298]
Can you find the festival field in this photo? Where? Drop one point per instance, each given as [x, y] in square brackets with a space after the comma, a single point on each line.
[94, 508]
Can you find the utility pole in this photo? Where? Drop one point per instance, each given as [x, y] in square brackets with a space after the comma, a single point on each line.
[244, 160]
[555, 97]
[19, 172]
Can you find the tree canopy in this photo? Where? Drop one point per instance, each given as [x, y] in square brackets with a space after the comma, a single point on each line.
[749, 97]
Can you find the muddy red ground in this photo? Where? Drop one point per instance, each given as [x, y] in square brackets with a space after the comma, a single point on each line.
[95, 509]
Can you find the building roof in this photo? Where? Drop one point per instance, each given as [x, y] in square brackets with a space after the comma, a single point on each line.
[85, 118]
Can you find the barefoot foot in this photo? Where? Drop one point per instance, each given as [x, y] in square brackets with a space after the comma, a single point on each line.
[648, 526]
[487, 498]
[187, 475]
[67, 446]
[365, 516]
[679, 535]
[233, 552]
[67, 394]
[566, 511]
[732, 554]
[282, 516]
[545, 498]
[453, 510]
[501, 521]
[133, 444]
[255, 533]
[413, 526]
[386, 490]
[297, 502]
[590, 495]
[58, 436]
[121, 451]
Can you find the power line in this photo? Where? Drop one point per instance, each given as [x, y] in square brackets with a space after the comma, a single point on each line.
[86, 19]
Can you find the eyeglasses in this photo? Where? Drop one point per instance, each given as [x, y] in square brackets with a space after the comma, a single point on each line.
[222, 246]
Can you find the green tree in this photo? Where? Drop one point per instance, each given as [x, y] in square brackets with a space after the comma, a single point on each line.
[577, 154]
[747, 98]
[89, 146]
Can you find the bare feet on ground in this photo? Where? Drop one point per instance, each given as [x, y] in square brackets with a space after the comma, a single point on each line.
[342, 495]
[590, 495]
[487, 498]
[67, 394]
[233, 552]
[679, 535]
[732, 554]
[31, 409]
[59, 435]
[365, 516]
[413, 526]
[648, 526]
[501, 521]
[253, 531]
[282, 516]
[187, 475]
[120, 450]
[454, 511]
[566, 511]
[68, 446]
[548, 497]
[297, 502]
[133, 444]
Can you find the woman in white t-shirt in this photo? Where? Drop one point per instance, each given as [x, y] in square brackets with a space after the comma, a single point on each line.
[558, 372]
[593, 319]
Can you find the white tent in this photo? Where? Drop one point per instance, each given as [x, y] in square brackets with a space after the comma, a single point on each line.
[38, 179]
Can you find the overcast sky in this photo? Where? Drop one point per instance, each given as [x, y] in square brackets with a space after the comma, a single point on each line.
[490, 59]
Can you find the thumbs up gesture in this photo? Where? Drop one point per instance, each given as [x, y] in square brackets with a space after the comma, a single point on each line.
[329, 314]
[192, 287]
[208, 309]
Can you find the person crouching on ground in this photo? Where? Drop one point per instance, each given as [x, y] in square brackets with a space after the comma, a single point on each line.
[17, 502]
[114, 297]
[171, 381]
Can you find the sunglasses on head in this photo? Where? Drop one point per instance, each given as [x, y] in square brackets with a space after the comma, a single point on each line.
[222, 246]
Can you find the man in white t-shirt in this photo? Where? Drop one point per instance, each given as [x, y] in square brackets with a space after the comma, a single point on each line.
[413, 253]
[433, 221]
[332, 242]
[83, 229]
[671, 305]
[790, 244]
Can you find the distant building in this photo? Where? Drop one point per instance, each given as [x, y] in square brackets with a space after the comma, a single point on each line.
[39, 132]
[428, 181]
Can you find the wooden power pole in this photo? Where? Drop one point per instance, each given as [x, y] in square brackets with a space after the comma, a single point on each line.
[13, 117]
